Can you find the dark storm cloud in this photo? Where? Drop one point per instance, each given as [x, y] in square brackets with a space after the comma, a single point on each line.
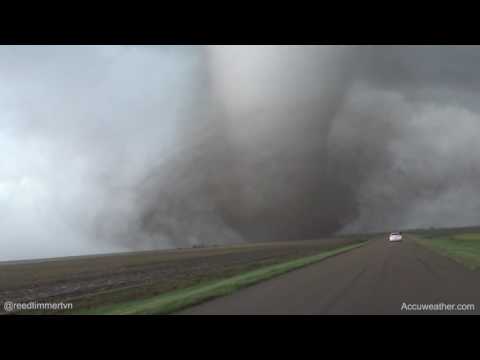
[315, 140]
[422, 66]
[108, 148]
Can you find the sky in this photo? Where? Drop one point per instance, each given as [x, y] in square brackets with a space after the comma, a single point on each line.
[120, 148]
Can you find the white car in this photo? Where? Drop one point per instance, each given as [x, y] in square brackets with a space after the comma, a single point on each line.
[395, 236]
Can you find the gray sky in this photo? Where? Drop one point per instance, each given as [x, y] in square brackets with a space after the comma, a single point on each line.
[79, 126]
[113, 148]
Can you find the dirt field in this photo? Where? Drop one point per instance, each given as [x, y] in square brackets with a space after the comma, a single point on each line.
[99, 280]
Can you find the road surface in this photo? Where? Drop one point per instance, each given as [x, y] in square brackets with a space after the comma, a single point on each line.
[378, 278]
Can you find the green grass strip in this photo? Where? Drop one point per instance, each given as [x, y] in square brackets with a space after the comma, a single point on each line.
[180, 299]
[463, 248]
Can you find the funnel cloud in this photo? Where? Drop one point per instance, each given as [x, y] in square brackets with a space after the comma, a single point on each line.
[118, 148]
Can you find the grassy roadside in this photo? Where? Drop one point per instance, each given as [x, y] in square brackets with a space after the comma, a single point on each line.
[177, 300]
[463, 248]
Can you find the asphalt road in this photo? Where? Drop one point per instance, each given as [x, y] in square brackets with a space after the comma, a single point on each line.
[378, 278]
